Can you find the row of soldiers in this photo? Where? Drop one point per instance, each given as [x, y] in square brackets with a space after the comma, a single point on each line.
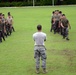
[60, 24]
[6, 26]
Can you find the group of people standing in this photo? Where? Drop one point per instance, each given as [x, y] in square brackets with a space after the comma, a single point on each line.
[60, 24]
[6, 26]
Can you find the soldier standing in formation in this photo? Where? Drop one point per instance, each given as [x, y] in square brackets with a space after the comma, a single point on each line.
[60, 24]
[5, 26]
[40, 50]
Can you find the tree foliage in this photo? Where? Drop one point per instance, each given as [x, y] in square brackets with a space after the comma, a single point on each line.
[37, 2]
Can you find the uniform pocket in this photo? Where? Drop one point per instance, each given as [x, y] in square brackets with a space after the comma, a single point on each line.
[36, 54]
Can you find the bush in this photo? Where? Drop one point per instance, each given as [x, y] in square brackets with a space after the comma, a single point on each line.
[4, 4]
[39, 3]
[14, 4]
[71, 1]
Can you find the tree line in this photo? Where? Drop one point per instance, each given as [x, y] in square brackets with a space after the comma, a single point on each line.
[7, 3]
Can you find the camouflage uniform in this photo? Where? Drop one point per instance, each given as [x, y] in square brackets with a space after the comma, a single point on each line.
[56, 24]
[4, 27]
[40, 52]
[39, 49]
[65, 23]
[9, 25]
[1, 33]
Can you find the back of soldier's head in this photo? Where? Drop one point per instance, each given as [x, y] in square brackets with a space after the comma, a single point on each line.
[0, 14]
[53, 12]
[39, 27]
[56, 12]
[9, 14]
[60, 12]
[63, 15]
[3, 14]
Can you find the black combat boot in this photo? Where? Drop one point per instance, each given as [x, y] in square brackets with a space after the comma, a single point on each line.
[67, 39]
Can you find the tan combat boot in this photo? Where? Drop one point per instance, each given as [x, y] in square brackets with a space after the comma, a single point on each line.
[44, 70]
[37, 70]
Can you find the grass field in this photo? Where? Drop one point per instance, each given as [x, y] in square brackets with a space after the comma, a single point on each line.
[16, 53]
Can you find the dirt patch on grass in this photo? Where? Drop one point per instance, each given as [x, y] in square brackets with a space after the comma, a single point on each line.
[68, 52]
[69, 56]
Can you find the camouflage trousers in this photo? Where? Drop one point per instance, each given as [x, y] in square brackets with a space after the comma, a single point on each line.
[65, 32]
[40, 52]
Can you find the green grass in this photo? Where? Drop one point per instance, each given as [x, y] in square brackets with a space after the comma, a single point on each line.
[16, 53]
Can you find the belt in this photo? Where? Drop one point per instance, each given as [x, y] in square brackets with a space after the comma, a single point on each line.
[40, 45]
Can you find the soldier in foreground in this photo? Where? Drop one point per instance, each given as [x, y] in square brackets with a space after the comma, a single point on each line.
[40, 50]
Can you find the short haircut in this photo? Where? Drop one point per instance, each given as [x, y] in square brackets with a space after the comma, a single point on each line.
[0, 14]
[39, 27]
[3, 15]
[60, 12]
[9, 14]
[53, 12]
[56, 10]
[63, 14]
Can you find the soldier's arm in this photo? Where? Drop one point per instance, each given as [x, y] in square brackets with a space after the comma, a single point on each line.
[69, 25]
[4, 29]
[62, 25]
[33, 37]
[59, 23]
[52, 20]
[45, 38]
[12, 22]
